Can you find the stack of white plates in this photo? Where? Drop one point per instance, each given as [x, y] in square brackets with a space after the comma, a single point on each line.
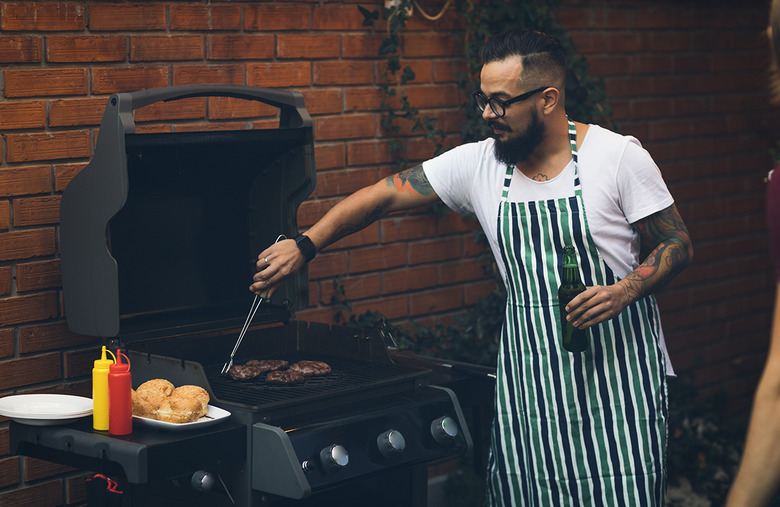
[45, 409]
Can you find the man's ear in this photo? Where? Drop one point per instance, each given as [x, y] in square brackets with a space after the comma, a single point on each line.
[551, 98]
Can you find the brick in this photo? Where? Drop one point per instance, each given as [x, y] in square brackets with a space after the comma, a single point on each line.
[344, 127]
[41, 17]
[36, 211]
[41, 338]
[392, 307]
[368, 98]
[404, 228]
[21, 49]
[323, 101]
[49, 146]
[75, 489]
[448, 298]
[377, 258]
[5, 215]
[21, 115]
[6, 348]
[328, 156]
[341, 182]
[207, 74]
[30, 370]
[355, 287]
[38, 275]
[47, 493]
[231, 108]
[276, 17]
[63, 173]
[328, 265]
[4, 441]
[205, 17]
[430, 96]
[6, 281]
[337, 17]
[343, 72]
[19, 309]
[26, 244]
[422, 69]
[473, 292]
[448, 71]
[175, 110]
[361, 45]
[436, 250]
[369, 152]
[240, 47]
[36, 469]
[81, 48]
[275, 75]
[45, 82]
[76, 112]
[128, 79]
[429, 44]
[24, 180]
[408, 279]
[124, 17]
[155, 48]
[78, 363]
[309, 45]
[9, 471]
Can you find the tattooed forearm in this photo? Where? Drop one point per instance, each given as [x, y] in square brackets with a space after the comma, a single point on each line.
[345, 230]
[411, 180]
[672, 252]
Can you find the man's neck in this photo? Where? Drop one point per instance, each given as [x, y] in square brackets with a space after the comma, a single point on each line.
[552, 156]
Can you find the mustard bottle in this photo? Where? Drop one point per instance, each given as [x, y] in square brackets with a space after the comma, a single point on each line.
[100, 391]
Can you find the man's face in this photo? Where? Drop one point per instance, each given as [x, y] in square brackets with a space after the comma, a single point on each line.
[520, 130]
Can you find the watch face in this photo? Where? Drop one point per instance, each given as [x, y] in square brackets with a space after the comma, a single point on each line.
[306, 246]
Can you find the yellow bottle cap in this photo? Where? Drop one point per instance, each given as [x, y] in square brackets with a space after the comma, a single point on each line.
[103, 363]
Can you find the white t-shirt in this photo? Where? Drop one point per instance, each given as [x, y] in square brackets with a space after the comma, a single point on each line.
[620, 185]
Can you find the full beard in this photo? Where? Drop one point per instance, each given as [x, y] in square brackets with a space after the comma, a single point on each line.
[517, 149]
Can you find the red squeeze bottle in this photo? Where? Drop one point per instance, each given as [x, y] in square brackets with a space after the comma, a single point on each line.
[120, 385]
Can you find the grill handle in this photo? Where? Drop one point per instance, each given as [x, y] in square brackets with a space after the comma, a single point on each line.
[293, 112]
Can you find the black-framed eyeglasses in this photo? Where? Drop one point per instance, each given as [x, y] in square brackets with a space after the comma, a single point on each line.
[498, 106]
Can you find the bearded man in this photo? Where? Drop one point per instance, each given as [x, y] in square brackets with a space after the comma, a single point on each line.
[586, 428]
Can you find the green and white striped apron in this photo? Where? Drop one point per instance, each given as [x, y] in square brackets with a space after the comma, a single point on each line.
[574, 429]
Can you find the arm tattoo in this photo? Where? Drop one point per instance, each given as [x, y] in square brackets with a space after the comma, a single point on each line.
[411, 180]
[672, 251]
[345, 230]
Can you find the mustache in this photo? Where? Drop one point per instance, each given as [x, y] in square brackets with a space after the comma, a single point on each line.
[498, 126]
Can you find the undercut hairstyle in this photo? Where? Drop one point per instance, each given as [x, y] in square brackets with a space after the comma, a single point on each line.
[543, 57]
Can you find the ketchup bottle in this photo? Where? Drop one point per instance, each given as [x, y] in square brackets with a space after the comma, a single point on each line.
[100, 391]
[120, 385]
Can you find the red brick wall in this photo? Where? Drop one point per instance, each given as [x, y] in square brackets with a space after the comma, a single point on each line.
[687, 78]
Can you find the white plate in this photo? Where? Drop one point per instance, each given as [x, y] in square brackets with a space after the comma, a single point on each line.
[45, 409]
[213, 416]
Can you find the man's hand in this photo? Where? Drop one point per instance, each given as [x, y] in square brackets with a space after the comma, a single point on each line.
[596, 304]
[275, 264]
[665, 233]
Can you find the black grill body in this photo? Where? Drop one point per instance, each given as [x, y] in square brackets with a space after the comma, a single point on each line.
[159, 235]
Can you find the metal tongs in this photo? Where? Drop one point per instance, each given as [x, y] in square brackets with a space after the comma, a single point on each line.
[251, 315]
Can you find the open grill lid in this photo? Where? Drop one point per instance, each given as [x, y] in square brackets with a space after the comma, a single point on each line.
[162, 231]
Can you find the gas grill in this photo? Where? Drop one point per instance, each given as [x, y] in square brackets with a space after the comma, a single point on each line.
[159, 237]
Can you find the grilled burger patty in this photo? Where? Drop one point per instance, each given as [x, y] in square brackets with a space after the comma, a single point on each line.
[284, 377]
[267, 365]
[244, 372]
[310, 368]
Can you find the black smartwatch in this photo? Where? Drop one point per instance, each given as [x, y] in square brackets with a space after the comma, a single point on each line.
[305, 246]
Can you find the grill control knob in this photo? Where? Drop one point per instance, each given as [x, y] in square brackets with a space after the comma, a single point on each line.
[444, 429]
[334, 457]
[391, 443]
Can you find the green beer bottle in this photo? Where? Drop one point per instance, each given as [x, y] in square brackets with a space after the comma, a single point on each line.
[574, 340]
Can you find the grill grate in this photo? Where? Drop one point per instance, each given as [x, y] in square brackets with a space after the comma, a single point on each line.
[346, 376]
